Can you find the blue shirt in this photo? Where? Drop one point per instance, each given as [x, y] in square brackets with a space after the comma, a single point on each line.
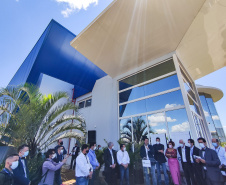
[93, 159]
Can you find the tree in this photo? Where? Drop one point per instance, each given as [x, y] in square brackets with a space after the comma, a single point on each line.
[38, 120]
[140, 129]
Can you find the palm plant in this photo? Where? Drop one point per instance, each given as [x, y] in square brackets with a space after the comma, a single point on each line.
[38, 120]
[140, 129]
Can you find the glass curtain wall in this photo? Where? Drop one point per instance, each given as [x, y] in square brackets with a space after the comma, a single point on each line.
[212, 117]
[151, 102]
[195, 108]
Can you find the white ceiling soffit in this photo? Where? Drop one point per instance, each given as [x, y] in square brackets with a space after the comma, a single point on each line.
[203, 48]
[130, 33]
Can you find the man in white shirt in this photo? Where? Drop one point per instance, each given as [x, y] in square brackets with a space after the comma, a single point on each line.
[123, 161]
[220, 152]
[184, 152]
[83, 170]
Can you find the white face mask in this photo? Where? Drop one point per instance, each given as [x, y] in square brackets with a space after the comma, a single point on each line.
[124, 149]
[189, 144]
[95, 148]
[214, 144]
[54, 155]
[14, 165]
[62, 151]
[201, 145]
[170, 146]
[157, 142]
[181, 145]
[26, 154]
[112, 147]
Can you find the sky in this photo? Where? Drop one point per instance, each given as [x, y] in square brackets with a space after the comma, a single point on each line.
[23, 21]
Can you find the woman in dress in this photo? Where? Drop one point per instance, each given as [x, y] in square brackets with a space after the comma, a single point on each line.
[174, 167]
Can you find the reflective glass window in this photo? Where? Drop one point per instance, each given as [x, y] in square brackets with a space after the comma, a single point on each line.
[88, 102]
[168, 100]
[164, 84]
[157, 123]
[140, 128]
[125, 130]
[81, 104]
[193, 105]
[148, 74]
[186, 78]
[177, 121]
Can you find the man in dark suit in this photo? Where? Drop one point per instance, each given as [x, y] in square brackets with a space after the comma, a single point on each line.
[147, 152]
[59, 158]
[210, 164]
[161, 161]
[75, 151]
[60, 143]
[110, 164]
[184, 152]
[197, 167]
[21, 173]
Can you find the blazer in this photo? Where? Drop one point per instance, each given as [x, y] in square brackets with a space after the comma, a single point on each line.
[195, 152]
[19, 175]
[150, 152]
[77, 150]
[160, 157]
[108, 158]
[56, 148]
[187, 154]
[212, 165]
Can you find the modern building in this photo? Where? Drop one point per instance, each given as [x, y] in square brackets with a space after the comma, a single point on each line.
[152, 52]
[53, 65]
[133, 68]
[209, 96]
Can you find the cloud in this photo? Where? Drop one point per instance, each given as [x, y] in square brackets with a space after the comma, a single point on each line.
[159, 118]
[73, 5]
[215, 117]
[181, 127]
[171, 105]
[206, 113]
[160, 131]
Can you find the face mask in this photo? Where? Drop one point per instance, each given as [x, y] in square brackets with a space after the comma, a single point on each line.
[61, 143]
[112, 147]
[201, 145]
[100, 148]
[14, 165]
[189, 144]
[214, 144]
[124, 149]
[181, 145]
[26, 154]
[157, 142]
[54, 155]
[95, 148]
[87, 151]
[170, 146]
[62, 151]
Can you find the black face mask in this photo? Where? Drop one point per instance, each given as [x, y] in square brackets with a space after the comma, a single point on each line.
[61, 143]
[87, 151]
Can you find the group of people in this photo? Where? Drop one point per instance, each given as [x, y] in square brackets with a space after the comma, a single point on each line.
[200, 167]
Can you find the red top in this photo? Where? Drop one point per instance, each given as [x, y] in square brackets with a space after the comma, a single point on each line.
[173, 153]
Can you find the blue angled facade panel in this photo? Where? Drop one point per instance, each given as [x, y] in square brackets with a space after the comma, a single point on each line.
[55, 57]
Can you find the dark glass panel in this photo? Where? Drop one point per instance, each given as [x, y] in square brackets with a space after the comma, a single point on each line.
[148, 74]
[81, 104]
[88, 102]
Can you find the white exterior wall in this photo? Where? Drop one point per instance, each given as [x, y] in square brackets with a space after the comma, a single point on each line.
[102, 115]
